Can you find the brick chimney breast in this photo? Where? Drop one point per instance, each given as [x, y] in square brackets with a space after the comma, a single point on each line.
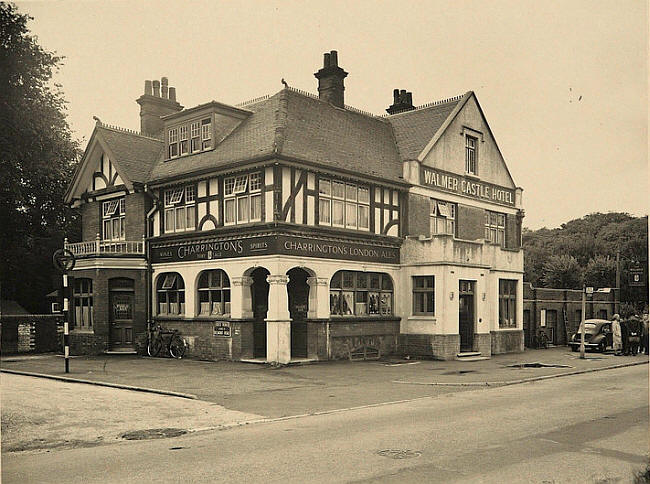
[330, 80]
[153, 106]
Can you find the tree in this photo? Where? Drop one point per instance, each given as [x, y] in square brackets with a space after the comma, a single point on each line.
[562, 271]
[37, 158]
[601, 272]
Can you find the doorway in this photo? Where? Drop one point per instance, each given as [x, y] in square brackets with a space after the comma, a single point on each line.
[298, 295]
[466, 314]
[121, 298]
[260, 302]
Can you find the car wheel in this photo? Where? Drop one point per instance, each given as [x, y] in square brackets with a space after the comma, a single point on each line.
[602, 346]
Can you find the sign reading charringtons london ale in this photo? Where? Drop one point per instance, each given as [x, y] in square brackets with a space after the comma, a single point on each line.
[284, 244]
[467, 186]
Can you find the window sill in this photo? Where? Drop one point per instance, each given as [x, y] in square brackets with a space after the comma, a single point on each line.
[213, 317]
[170, 317]
[82, 331]
[364, 317]
[472, 176]
[422, 317]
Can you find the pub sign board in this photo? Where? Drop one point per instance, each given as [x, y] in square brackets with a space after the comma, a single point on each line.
[467, 187]
[284, 244]
[637, 277]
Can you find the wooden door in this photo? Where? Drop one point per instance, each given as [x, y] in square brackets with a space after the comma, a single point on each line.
[298, 295]
[260, 301]
[466, 315]
[121, 320]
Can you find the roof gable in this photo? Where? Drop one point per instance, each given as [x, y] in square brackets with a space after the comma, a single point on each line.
[113, 157]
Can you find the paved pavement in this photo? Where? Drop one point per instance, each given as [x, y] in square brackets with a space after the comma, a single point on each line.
[324, 386]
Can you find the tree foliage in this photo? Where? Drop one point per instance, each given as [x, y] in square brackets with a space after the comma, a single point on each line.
[588, 247]
[37, 158]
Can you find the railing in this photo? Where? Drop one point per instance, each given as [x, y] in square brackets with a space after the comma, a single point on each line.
[100, 247]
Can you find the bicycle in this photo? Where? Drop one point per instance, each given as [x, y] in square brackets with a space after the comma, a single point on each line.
[160, 337]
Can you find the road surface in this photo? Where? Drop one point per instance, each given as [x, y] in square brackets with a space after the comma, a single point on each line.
[585, 428]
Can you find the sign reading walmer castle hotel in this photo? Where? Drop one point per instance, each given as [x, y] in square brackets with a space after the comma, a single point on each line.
[466, 186]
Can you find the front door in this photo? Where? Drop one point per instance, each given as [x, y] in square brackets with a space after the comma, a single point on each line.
[121, 324]
[298, 294]
[466, 315]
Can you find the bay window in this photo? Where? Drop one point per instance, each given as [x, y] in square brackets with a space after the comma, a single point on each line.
[361, 294]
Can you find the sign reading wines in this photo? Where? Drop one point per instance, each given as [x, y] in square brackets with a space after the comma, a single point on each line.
[285, 244]
[466, 186]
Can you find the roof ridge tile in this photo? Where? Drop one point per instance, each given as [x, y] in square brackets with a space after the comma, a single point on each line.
[101, 124]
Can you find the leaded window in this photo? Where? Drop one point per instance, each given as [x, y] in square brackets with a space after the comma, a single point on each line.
[83, 303]
[507, 303]
[343, 204]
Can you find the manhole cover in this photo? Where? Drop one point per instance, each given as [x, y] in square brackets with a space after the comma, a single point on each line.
[153, 434]
[399, 453]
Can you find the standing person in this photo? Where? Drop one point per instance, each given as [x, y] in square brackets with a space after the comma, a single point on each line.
[616, 335]
[633, 338]
[645, 335]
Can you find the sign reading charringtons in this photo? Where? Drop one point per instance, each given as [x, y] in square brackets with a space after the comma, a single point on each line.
[467, 187]
[284, 244]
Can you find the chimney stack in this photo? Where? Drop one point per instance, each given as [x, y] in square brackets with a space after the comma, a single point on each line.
[402, 101]
[153, 106]
[330, 80]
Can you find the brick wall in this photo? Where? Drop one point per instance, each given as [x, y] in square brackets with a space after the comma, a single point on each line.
[346, 336]
[507, 341]
[137, 205]
[512, 231]
[435, 346]
[418, 209]
[90, 220]
[30, 333]
[483, 344]
[471, 223]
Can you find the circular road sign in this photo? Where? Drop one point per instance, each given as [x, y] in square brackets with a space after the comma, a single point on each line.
[63, 260]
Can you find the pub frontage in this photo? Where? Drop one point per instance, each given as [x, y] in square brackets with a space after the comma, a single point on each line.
[294, 227]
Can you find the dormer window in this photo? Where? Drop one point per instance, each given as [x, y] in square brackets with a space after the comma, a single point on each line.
[206, 134]
[173, 143]
[195, 132]
[184, 143]
[471, 155]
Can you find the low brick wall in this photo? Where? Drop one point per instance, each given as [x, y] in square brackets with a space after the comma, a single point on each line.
[483, 343]
[32, 333]
[347, 336]
[435, 346]
[86, 343]
[510, 341]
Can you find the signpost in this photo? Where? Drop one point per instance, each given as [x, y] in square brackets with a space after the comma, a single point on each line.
[585, 291]
[64, 261]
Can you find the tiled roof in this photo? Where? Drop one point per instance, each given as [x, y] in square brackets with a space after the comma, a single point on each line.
[414, 129]
[135, 154]
[299, 126]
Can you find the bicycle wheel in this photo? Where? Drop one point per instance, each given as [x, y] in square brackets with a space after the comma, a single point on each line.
[154, 346]
[177, 347]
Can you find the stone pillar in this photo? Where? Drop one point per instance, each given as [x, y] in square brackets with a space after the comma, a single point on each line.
[241, 302]
[278, 322]
[318, 298]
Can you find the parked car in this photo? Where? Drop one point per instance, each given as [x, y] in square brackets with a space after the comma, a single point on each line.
[598, 335]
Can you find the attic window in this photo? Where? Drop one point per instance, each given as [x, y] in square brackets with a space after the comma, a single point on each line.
[471, 155]
[206, 134]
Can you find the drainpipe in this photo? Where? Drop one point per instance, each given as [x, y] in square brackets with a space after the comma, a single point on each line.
[147, 298]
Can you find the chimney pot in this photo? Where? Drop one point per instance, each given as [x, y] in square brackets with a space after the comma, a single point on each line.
[172, 94]
[409, 98]
[395, 96]
[165, 88]
[156, 88]
[148, 89]
[326, 60]
[402, 101]
[334, 58]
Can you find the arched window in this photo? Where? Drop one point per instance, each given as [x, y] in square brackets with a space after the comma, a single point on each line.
[361, 294]
[214, 293]
[171, 294]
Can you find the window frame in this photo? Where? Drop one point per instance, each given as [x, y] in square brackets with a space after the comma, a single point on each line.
[423, 291]
[471, 155]
[223, 289]
[170, 284]
[508, 303]
[448, 220]
[114, 219]
[243, 190]
[361, 292]
[495, 227]
[348, 201]
[179, 205]
[82, 296]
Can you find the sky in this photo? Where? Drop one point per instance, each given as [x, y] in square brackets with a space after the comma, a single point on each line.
[563, 84]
